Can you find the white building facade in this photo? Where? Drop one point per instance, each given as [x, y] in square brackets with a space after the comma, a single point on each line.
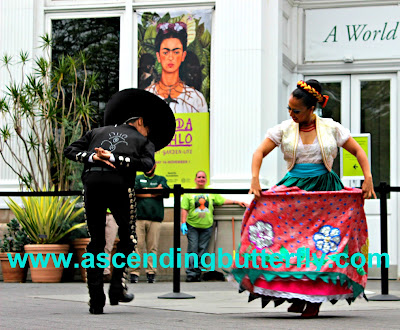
[260, 49]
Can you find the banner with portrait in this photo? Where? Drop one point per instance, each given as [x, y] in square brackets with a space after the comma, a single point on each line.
[188, 151]
[174, 52]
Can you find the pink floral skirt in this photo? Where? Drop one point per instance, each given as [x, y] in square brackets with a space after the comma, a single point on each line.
[304, 245]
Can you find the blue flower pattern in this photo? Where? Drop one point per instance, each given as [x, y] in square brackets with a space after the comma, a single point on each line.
[327, 239]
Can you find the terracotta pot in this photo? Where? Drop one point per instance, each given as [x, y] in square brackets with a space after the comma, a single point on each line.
[80, 245]
[48, 274]
[12, 275]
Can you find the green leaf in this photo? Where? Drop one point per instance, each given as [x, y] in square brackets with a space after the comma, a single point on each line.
[158, 67]
[151, 33]
[46, 41]
[149, 18]
[46, 219]
[283, 251]
[6, 59]
[199, 31]
[141, 32]
[205, 39]
[24, 57]
[333, 257]
[175, 19]
[5, 133]
[361, 271]
[165, 18]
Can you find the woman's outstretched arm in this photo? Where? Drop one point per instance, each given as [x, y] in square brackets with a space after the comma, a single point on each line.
[263, 150]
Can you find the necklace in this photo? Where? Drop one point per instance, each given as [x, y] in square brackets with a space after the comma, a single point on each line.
[308, 127]
[169, 88]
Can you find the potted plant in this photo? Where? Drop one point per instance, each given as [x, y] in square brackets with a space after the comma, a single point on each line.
[79, 240]
[46, 220]
[44, 112]
[13, 242]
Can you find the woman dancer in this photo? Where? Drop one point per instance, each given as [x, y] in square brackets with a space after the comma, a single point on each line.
[309, 144]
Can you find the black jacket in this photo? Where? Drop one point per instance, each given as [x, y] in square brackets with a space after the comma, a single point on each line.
[132, 151]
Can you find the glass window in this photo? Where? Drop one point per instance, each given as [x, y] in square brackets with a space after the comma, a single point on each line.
[375, 119]
[332, 110]
[99, 38]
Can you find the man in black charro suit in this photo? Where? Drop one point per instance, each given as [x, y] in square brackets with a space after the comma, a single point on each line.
[143, 124]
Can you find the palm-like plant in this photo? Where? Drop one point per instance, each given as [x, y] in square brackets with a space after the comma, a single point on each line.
[43, 113]
[46, 219]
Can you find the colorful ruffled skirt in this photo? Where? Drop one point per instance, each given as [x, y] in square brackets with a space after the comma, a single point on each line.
[305, 238]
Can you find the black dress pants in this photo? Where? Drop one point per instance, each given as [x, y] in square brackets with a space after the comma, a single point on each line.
[106, 189]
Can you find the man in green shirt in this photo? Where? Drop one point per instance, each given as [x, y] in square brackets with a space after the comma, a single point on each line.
[197, 222]
[150, 214]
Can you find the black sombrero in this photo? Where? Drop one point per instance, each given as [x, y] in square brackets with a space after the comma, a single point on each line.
[156, 114]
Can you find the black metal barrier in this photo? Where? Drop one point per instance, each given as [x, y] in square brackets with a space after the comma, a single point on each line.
[178, 191]
[384, 189]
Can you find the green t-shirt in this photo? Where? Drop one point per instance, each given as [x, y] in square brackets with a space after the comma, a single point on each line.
[150, 208]
[200, 208]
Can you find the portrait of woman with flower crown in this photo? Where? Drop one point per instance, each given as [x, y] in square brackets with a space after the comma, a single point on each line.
[174, 61]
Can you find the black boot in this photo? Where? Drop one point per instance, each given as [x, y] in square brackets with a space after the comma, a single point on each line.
[97, 300]
[118, 289]
[96, 292]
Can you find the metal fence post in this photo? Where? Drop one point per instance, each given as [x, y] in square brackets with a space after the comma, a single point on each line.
[384, 188]
[176, 294]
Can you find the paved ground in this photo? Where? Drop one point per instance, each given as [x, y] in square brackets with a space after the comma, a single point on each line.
[217, 305]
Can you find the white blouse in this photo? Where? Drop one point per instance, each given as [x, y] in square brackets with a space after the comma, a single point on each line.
[189, 101]
[309, 153]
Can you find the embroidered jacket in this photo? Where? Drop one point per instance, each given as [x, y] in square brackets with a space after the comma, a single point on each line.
[132, 151]
[327, 135]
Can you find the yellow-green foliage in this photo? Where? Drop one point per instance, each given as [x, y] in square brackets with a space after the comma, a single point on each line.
[46, 219]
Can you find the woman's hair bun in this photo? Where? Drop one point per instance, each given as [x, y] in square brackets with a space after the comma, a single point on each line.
[315, 84]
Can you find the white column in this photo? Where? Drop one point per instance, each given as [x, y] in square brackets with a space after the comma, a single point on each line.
[16, 35]
[273, 111]
[245, 75]
[396, 196]
[126, 48]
